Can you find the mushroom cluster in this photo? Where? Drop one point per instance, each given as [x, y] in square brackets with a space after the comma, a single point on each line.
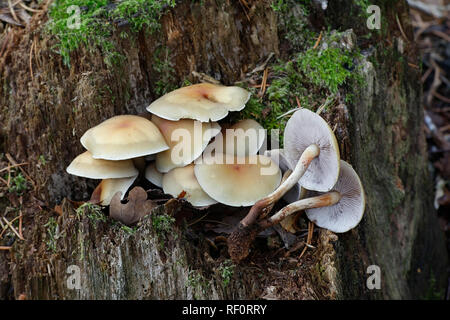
[191, 156]
[182, 139]
[310, 160]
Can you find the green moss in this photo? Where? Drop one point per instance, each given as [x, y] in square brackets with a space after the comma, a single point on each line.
[97, 22]
[328, 68]
[163, 225]
[226, 270]
[18, 183]
[198, 283]
[311, 77]
[52, 234]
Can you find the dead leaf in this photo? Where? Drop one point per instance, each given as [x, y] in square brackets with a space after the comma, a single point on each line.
[131, 212]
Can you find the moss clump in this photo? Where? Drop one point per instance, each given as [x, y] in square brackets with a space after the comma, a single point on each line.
[97, 21]
[18, 183]
[328, 68]
[226, 270]
[310, 77]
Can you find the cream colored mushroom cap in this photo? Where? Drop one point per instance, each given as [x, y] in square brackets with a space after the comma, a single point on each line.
[84, 165]
[109, 187]
[186, 139]
[153, 175]
[123, 137]
[183, 179]
[348, 212]
[243, 138]
[239, 182]
[202, 102]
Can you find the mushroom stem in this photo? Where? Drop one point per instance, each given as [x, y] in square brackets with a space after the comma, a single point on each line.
[242, 237]
[324, 200]
[307, 156]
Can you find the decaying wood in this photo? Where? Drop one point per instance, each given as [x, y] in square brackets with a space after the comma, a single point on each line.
[380, 133]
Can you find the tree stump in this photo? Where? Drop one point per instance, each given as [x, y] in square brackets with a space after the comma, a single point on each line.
[46, 106]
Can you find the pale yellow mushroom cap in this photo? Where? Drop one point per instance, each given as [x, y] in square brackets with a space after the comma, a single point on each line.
[203, 102]
[84, 165]
[243, 138]
[239, 182]
[153, 175]
[123, 137]
[186, 139]
[109, 187]
[183, 179]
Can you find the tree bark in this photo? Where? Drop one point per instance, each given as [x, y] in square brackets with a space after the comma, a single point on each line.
[46, 107]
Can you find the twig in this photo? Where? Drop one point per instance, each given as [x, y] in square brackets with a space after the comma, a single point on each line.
[5, 248]
[12, 228]
[11, 159]
[264, 82]
[20, 224]
[31, 60]
[401, 28]
[28, 8]
[318, 40]
[6, 227]
[299, 105]
[308, 239]
[11, 9]
[14, 166]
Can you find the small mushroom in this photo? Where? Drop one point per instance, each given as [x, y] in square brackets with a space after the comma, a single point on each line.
[239, 182]
[153, 175]
[84, 165]
[180, 180]
[348, 212]
[243, 138]
[123, 137]
[104, 192]
[186, 140]
[202, 102]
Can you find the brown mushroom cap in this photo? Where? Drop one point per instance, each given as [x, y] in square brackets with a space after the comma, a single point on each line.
[306, 128]
[183, 179]
[153, 175]
[123, 137]
[108, 188]
[202, 102]
[84, 165]
[186, 139]
[240, 183]
[348, 212]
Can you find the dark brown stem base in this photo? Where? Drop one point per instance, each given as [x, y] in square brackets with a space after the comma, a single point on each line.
[240, 241]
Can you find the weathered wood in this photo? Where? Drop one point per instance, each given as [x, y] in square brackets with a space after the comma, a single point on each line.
[380, 133]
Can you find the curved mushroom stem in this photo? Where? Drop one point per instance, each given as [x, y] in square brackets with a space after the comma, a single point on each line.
[241, 238]
[307, 156]
[324, 200]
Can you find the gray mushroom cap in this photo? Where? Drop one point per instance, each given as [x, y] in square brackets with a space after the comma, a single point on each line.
[348, 212]
[278, 156]
[303, 129]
